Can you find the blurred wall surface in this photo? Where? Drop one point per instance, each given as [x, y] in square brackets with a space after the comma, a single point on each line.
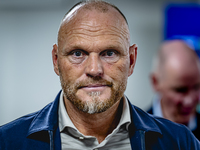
[28, 30]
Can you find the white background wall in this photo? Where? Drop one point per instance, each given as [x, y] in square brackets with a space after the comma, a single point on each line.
[29, 29]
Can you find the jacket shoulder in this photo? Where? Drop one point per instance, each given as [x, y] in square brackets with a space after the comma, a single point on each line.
[169, 132]
[16, 131]
[158, 122]
[17, 123]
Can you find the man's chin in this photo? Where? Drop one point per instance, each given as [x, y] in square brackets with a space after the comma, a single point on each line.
[93, 96]
[184, 121]
[93, 104]
[93, 107]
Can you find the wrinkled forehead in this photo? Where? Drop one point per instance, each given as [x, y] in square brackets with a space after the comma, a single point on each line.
[94, 20]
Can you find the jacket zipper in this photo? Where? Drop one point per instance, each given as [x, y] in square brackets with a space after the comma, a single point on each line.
[51, 139]
[142, 136]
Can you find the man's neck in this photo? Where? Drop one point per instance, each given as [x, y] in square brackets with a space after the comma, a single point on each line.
[98, 125]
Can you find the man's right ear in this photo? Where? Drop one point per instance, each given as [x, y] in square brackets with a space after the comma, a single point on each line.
[55, 58]
[154, 82]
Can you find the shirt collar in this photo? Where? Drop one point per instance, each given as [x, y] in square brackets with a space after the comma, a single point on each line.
[125, 117]
[65, 121]
[157, 106]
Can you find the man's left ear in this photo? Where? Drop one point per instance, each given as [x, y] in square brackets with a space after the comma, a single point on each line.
[132, 57]
[55, 58]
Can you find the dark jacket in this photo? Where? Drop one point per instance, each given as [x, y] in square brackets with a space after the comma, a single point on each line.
[40, 131]
[196, 131]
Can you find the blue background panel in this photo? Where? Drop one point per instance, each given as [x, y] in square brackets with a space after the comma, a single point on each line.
[182, 19]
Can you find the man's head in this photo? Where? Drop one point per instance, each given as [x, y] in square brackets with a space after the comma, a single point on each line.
[176, 77]
[94, 57]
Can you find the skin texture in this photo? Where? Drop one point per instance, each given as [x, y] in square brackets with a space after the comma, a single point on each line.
[93, 59]
[177, 80]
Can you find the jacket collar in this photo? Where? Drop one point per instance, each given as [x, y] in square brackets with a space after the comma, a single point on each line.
[47, 119]
[140, 120]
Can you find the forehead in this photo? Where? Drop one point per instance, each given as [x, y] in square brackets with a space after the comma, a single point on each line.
[104, 12]
[93, 24]
[183, 74]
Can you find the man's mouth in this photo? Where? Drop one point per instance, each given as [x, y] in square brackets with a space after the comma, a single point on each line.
[93, 86]
[186, 111]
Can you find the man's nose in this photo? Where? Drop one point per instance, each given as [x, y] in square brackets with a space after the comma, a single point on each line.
[190, 98]
[188, 101]
[94, 66]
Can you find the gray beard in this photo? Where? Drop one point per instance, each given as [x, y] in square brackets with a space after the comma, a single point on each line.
[96, 105]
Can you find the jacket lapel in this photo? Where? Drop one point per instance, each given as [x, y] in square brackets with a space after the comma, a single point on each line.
[46, 120]
[141, 124]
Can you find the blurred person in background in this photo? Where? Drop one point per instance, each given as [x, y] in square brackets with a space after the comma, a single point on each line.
[94, 58]
[176, 80]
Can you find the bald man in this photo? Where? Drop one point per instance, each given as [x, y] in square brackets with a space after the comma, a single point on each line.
[176, 80]
[94, 58]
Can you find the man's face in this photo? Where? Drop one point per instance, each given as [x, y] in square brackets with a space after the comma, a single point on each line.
[93, 60]
[179, 91]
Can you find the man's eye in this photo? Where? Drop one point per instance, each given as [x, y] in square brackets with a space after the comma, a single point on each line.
[181, 90]
[110, 56]
[77, 53]
[77, 56]
[109, 53]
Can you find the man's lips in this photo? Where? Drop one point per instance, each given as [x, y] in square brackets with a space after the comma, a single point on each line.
[186, 111]
[95, 87]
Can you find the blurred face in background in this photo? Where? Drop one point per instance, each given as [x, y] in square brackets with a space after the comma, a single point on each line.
[179, 88]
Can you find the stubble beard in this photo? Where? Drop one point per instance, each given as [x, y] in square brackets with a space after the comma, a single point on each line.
[96, 104]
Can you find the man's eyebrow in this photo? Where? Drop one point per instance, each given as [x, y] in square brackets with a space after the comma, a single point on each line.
[70, 48]
[112, 47]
